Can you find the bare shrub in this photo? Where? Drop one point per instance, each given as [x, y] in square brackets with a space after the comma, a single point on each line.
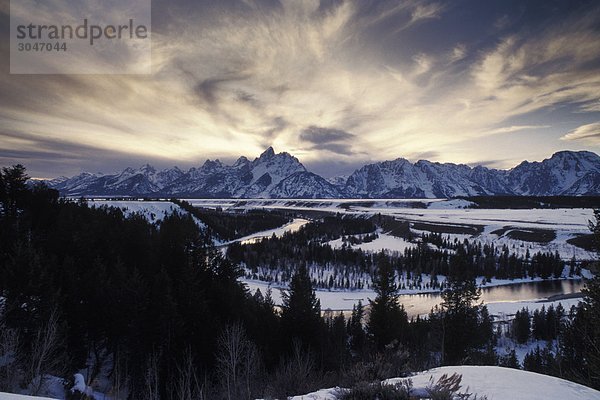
[379, 390]
[447, 388]
[45, 354]
[294, 376]
[187, 385]
[9, 371]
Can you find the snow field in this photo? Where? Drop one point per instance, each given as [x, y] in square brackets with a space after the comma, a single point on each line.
[496, 383]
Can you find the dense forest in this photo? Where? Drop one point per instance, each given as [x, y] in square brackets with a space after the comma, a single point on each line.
[152, 311]
[228, 226]
[275, 259]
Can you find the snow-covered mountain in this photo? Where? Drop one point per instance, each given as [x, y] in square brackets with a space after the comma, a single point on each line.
[565, 173]
[424, 179]
[270, 175]
[281, 175]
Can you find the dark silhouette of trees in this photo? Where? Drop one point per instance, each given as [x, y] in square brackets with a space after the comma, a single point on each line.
[301, 313]
[460, 311]
[387, 319]
[580, 338]
[521, 326]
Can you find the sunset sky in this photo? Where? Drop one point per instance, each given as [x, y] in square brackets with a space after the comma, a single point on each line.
[335, 83]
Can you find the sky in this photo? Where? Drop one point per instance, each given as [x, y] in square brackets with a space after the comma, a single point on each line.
[336, 83]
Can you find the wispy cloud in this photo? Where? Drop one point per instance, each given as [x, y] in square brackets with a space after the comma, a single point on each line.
[516, 128]
[426, 11]
[458, 52]
[589, 132]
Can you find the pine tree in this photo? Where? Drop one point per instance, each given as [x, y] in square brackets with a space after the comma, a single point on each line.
[301, 311]
[13, 189]
[356, 331]
[509, 360]
[460, 319]
[521, 326]
[387, 320]
[580, 339]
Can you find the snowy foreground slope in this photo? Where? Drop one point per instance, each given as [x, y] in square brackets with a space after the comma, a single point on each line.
[496, 383]
[10, 396]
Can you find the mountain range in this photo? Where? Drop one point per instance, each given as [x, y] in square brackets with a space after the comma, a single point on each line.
[281, 175]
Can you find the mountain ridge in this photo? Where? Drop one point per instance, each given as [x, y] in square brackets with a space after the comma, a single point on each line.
[281, 175]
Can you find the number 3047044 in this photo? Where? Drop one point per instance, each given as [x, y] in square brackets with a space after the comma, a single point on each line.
[42, 46]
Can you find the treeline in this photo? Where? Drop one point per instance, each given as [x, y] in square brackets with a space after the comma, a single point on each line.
[233, 225]
[529, 202]
[540, 325]
[275, 259]
[571, 339]
[86, 289]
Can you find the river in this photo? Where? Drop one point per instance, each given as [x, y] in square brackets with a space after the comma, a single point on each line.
[418, 304]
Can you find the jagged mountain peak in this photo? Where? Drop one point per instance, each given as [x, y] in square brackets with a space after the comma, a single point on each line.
[580, 153]
[565, 172]
[209, 164]
[128, 170]
[283, 175]
[147, 169]
[173, 168]
[267, 154]
[241, 162]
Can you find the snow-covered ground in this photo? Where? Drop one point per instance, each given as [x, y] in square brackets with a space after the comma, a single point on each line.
[152, 210]
[383, 242]
[450, 204]
[509, 308]
[11, 396]
[310, 204]
[292, 226]
[499, 383]
[496, 383]
[567, 223]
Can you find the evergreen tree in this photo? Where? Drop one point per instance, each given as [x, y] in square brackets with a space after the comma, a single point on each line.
[13, 189]
[509, 360]
[387, 319]
[521, 326]
[460, 311]
[580, 338]
[356, 331]
[301, 312]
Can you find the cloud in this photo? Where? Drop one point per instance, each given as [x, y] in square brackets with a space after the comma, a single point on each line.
[318, 135]
[497, 164]
[423, 63]
[502, 22]
[530, 73]
[458, 52]
[335, 80]
[334, 140]
[516, 128]
[426, 11]
[426, 155]
[589, 133]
